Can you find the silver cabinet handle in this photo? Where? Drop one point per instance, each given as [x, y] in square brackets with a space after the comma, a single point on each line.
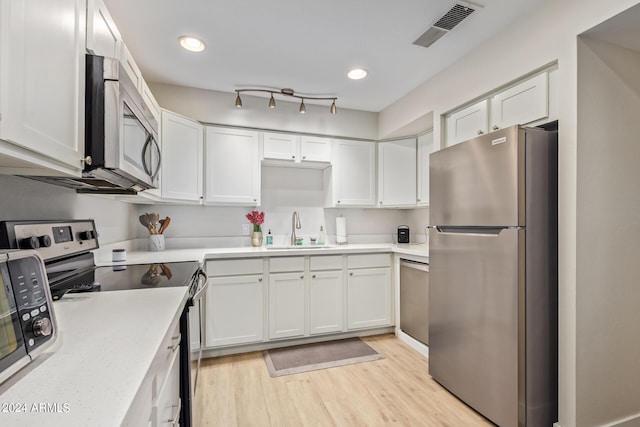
[480, 132]
[351, 273]
[313, 277]
[495, 127]
[304, 157]
[176, 345]
[260, 279]
[87, 160]
[293, 157]
[302, 277]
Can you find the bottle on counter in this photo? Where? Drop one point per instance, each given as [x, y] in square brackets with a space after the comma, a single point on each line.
[322, 237]
[269, 238]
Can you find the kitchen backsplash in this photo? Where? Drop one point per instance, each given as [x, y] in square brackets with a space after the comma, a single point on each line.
[285, 190]
[23, 198]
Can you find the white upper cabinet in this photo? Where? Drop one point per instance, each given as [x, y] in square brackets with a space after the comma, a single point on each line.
[315, 149]
[467, 123]
[232, 171]
[150, 101]
[521, 104]
[280, 146]
[296, 148]
[182, 158]
[130, 67]
[525, 103]
[351, 179]
[103, 37]
[397, 173]
[425, 147]
[42, 79]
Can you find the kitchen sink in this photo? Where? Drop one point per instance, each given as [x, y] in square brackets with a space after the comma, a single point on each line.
[280, 247]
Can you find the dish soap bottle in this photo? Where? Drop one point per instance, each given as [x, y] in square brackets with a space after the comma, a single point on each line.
[322, 236]
[269, 238]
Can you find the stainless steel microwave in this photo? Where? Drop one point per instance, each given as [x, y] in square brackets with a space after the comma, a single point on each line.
[27, 323]
[122, 154]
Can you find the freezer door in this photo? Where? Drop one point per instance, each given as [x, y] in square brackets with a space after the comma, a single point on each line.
[479, 182]
[474, 318]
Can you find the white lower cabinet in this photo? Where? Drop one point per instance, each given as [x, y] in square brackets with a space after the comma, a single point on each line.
[166, 411]
[326, 302]
[286, 305]
[368, 298]
[234, 310]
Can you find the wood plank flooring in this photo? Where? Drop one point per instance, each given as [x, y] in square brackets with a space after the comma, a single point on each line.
[395, 391]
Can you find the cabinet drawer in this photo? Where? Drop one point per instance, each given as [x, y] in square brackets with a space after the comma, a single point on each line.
[368, 261]
[283, 264]
[232, 267]
[325, 262]
[168, 350]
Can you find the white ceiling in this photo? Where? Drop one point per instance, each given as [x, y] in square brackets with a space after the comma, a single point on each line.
[305, 45]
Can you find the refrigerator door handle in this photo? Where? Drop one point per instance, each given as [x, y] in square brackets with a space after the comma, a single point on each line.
[483, 231]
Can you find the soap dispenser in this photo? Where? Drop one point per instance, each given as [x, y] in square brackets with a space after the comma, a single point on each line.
[269, 238]
[322, 236]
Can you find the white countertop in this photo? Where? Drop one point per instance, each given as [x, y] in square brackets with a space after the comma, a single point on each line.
[92, 373]
[103, 256]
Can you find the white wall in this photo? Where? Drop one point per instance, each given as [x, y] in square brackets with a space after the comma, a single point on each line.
[210, 106]
[608, 233]
[23, 198]
[548, 34]
[284, 190]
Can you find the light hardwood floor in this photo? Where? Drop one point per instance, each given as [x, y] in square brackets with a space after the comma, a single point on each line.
[397, 390]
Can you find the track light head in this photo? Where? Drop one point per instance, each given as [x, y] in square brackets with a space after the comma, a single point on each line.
[238, 100]
[333, 109]
[272, 101]
[303, 109]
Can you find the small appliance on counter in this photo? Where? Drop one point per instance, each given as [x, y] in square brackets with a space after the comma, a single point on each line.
[341, 230]
[27, 322]
[403, 234]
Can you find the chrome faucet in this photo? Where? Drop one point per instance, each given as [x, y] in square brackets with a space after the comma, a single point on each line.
[295, 223]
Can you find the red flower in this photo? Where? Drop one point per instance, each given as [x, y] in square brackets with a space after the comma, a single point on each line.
[256, 218]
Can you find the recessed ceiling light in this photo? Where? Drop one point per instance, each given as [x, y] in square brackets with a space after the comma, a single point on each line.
[191, 43]
[357, 74]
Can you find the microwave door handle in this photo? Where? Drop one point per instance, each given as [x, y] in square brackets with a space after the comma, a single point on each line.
[159, 162]
[145, 148]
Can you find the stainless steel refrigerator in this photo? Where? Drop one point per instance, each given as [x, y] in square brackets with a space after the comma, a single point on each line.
[493, 277]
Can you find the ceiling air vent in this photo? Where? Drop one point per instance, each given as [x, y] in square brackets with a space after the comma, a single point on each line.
[446, 23]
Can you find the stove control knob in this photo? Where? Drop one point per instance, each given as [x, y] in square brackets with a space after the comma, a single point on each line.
[45, 241]
[87, 235]
[29, 243]
[42, 327]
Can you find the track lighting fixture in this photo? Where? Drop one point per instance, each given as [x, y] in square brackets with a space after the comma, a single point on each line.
[287, 92]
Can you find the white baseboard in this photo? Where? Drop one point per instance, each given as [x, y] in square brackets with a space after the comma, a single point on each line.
[413, 343]
[630, 421]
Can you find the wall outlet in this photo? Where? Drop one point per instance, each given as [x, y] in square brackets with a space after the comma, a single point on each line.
[246, 229]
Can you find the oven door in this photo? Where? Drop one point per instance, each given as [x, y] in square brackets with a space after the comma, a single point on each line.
[13, 353]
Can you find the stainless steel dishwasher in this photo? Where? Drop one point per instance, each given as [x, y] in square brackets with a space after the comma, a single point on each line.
[414, 299]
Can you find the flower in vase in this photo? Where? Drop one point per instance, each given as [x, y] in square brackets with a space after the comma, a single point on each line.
[257, 219]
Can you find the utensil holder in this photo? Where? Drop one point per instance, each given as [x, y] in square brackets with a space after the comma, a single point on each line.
[156, 242]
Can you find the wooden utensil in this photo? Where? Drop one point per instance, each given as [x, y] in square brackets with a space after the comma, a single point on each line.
[164, 223]
[145, 220]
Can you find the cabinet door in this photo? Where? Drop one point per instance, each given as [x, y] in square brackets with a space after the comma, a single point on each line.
[467, 123]
[130, 67]
[167, 408]
[368, 298]
[425, 147]
[521, 104]
[315, 149]
[353, 175]
[325, 302]
[234, 310]
[280, 146]
[42, 77]
[182, 160]
[397, 173]
[232, 174]
[286, 305]
[103, 37]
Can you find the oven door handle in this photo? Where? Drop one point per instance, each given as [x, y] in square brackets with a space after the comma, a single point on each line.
[203, 283]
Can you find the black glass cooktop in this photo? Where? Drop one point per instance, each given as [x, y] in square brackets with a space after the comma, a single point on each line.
[125, 277]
